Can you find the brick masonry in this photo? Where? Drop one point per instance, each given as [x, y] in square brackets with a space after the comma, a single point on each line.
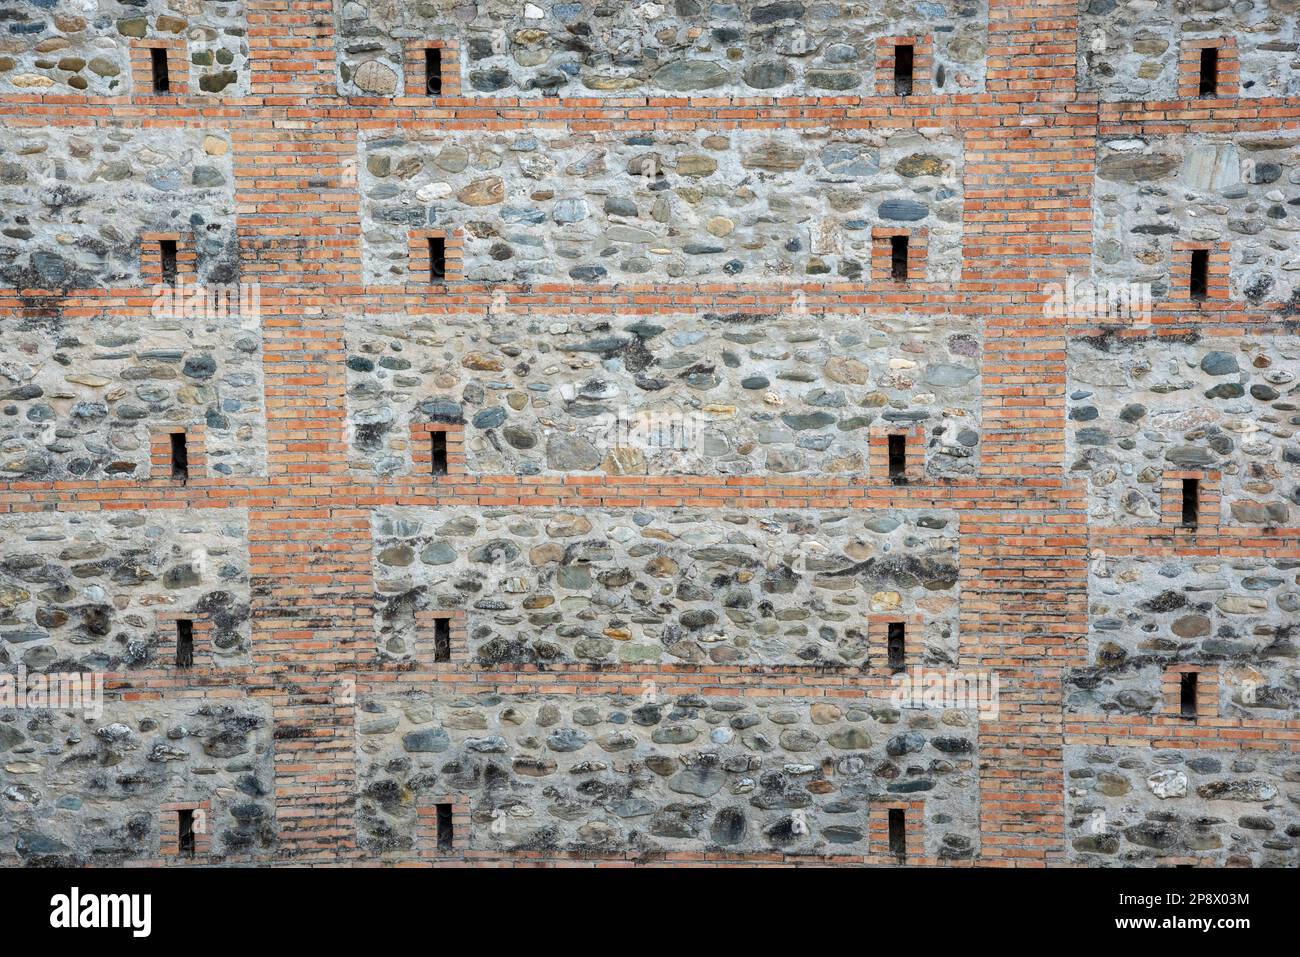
[680, 212]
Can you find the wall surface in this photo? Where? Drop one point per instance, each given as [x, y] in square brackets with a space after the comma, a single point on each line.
[75, 46]
[725, 394]
[1132, 807]
[1147, 614]
[688, 774]
[678, 516]
[97, 592]
[1158, 191]
[674, 206]
[593, 48]
[1132, 49]
[1142, 406]
[642, 586]
[77, 202]
[81, 792]
[83, 396]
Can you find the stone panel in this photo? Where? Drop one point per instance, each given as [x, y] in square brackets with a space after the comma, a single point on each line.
[1201, 189]
[85, 591]
[70, 46]
[1130, 49]
[74, 203]
[1239, 617]
[594, 48]
[83, 790]
[1140, 406]
[747, 392]
[637, 776]
[79, 397]
[1130, 807]
[680, 206]
[673, 586]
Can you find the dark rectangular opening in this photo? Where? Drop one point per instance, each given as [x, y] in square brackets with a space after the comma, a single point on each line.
[158, 64]
[1199, 282]
[184, 643]
[1209, 83]
[437, 259]
[433, 71]
[898, 834]
[896, 644]
[180, 456]
[442, 639]
[897, 257]
[898, 459]
[167, 259]
[903, 59]
[186, 826]
[438, 452]
[1187, 694]
[445, 835]
[1191, 502]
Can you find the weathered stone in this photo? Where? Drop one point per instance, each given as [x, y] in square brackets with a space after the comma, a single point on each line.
[375, 77]
[688, 75]
[1137, 168]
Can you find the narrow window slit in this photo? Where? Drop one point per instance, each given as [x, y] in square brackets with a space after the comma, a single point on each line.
[184, 643]
[437, 259]
[1191, 502]
[903, 60]
[433, 71]
[898, 459]
[180, 457]
[895, 645]
[438, 452]
[898, 834]
[445, 836]
[158, 64]
[167, 259]
[442, 639]
[898, 257]
[1199, 283]
[1187, 694]
[1209, 83]
[186, 830]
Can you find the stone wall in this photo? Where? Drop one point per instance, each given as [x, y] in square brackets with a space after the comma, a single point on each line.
[1139, 406]
[83, 790]
[638, 776]
[1202, 189]
[1238, 618]
[1130, 807]
[93, 591]
[677, 586]
[79, 398]
[70, 47]
[733, 393]
[1130, 49]
[74, 203]
[668, 206]
[595, 48]
[692, 234]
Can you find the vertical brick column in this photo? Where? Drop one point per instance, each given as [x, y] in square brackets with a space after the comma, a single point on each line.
[1024, 617]
[1024, 607]
[291, 49]
[1029, 171]
[311, 601]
